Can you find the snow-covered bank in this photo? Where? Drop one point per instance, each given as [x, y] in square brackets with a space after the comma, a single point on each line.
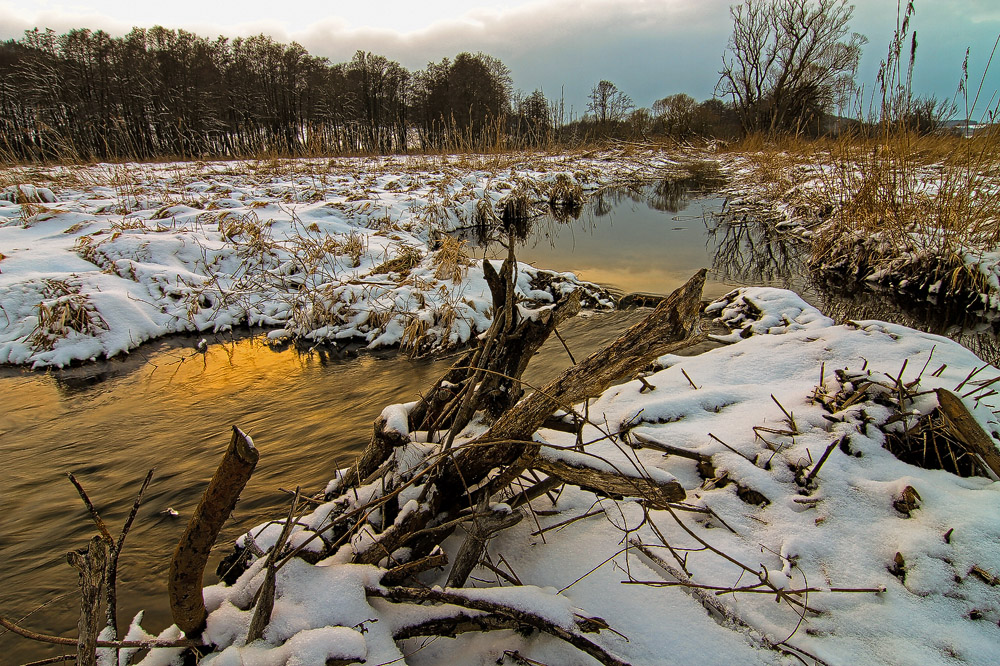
[917, 219]
[95, 260]
[800, 494]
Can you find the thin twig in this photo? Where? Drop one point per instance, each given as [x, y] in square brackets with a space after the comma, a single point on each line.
[101, 526]
[59, 640]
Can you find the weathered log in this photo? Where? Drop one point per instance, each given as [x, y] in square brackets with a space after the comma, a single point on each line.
[265, 595]
[379, 447]
[397, 575]
[521, 617]
[397, 534]
[966, 429]
[92, 564]
[614, 484]
[480, 530]
[669, 327]
[648, 442]
[187, 568]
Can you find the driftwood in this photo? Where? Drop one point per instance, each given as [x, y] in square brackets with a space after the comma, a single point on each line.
[648, 442]
[716, 610]
[92, 564]
[187, 568]
[622, 483]
[967, 430]
[458, 483]
[13, 627]
[114, 547]
[669, 327]
[500, 617]
[480, 530]
[461, 477]
[265, 595]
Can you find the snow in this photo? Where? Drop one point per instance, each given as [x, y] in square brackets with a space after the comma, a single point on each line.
[104, 258]
[345, 250]
[841, 531]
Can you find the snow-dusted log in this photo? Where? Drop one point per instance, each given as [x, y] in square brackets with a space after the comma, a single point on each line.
[495, 616]
[967, 430]
[187, 567]
[480, 530]
[672, 325]
[621, 483]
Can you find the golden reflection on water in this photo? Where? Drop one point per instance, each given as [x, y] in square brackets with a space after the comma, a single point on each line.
[168, 406]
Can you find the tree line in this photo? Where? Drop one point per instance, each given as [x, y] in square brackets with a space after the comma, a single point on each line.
[158, 92]
[154, 93]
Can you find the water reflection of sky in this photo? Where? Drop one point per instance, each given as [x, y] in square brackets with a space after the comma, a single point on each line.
[633, 244]
[651, 239]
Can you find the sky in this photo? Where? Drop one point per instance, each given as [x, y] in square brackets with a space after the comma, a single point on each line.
[648, 48]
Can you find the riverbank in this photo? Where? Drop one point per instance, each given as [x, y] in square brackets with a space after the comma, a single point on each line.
[914, 215]
[95, 260]
[783, 444]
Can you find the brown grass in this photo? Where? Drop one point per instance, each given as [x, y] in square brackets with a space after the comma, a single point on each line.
[912, 206]
[450, 260]
[407, 259]
[62, 311]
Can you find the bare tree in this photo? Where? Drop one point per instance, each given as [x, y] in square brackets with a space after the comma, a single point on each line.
[788, 62]
[675, 113]
[608, 104]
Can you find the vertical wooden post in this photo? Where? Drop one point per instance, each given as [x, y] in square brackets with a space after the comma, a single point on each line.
[91, 564]
[187, 605]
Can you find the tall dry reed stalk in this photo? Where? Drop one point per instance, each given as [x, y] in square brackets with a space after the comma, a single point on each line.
[914, 209]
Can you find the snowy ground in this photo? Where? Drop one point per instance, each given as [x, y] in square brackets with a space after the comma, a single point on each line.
[95, 260]
[889, 583]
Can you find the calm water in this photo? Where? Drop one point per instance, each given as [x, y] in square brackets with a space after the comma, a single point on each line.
[170, 406]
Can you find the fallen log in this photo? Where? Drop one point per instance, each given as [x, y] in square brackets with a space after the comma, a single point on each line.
[610, 483]
[507, 617]
[966, 429]
[187, 567]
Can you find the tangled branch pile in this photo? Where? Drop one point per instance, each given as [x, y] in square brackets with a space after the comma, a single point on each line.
[445, 461]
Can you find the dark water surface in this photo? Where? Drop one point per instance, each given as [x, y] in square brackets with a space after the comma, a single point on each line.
[170, 406]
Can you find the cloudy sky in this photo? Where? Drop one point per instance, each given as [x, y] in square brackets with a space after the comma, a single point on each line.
[648, 48]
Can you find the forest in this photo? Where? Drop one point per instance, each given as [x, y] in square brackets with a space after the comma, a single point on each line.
[163, 93]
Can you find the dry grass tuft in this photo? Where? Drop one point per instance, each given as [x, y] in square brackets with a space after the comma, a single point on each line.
[355, 246]
[414, 336]
[62, 311]
[565, 192]
[407, 259]
[450, 261]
